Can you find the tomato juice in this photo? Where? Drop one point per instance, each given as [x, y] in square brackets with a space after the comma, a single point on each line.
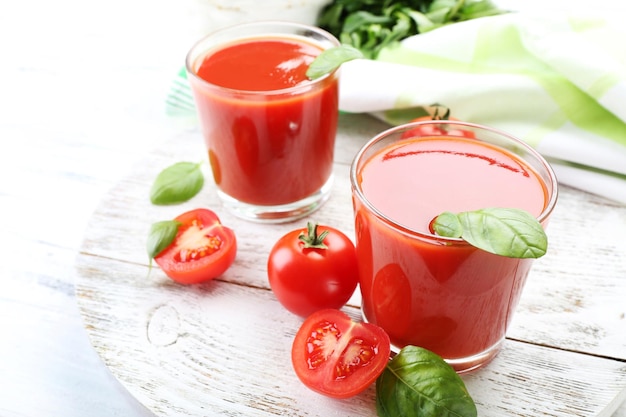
[270, 131]
[426, 290]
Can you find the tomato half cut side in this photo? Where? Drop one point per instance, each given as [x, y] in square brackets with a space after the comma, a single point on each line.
[203, 248]
[337, 357]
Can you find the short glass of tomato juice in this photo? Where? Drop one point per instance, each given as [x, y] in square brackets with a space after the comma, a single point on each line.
[426, 290]
[269, 130]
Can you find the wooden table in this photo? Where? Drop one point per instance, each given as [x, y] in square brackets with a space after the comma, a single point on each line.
[225, 346]
[85, 329]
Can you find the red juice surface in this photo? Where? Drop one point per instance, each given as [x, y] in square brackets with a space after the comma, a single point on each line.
[259, 65]
[443, 295]
[269, 130]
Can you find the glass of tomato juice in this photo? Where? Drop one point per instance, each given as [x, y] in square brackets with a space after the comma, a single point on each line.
[426, 290]
[269, 130]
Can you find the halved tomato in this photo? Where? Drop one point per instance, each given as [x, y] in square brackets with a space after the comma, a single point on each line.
[337, 357]
[203, 248]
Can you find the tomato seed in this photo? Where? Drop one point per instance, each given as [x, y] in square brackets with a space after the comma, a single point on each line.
[195, 243]
[358, 354]
[321, 343]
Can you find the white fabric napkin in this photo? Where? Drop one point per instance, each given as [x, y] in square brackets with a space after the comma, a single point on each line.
[557, 82]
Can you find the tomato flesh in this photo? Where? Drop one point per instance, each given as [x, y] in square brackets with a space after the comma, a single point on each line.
[196, 243]
[203, 248]
[338, 357]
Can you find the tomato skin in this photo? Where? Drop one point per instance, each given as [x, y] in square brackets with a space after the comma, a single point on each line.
[337, 357]
[197, 227]
[305, 280]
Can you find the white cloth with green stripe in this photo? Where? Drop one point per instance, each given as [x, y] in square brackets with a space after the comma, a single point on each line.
[558, 83]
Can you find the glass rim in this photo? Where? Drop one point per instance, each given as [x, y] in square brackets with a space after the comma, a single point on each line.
[193, 54]
[551, 175]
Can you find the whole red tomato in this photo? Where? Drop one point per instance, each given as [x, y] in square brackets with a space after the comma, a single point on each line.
[202, 249]
[337, 357]
[313, 269]
[433, 129]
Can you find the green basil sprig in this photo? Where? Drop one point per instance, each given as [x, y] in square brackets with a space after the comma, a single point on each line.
[330, 59]
[507, 232]
[371, 25]
[177, 183]
[417, 383]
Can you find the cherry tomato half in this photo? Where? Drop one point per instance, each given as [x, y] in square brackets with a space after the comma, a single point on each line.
[337, 357]
[309, 271]
[441, 113]
[203, 249]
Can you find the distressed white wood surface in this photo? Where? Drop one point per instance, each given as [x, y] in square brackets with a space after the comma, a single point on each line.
[223, 347]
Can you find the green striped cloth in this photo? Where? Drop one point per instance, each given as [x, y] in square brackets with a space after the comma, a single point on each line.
[179, 101]
[557, 82]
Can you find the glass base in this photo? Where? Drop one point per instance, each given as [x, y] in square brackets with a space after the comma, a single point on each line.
[460, 365]
[470, 363]
[281, 213]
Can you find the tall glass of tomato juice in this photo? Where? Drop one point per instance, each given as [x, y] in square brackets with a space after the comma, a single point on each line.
[423, 289]
[269, 130]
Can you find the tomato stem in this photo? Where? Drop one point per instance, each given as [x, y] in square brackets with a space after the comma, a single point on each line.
[311, 239]
[438, 116]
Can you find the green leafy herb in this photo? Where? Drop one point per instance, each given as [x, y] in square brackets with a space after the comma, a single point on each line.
[177, 183]
[504, 231]
[330, 59]
[371, 25]
[161, 235]
[417, 382]
[448, 224]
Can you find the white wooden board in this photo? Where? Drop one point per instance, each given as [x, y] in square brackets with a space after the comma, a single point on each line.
[223, 347]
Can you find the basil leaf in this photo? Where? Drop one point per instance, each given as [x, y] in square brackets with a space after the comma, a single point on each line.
[371, 25]
[419, 383]
[507, 232]
[161, 235]
[330, 59]
[448, 225]
[177, 183]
